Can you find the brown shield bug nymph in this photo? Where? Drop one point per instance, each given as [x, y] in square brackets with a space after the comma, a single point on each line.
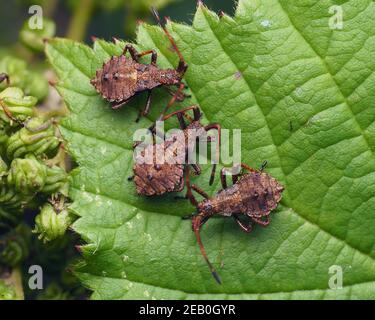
[155, 178]
[253, 195]
[121, 78]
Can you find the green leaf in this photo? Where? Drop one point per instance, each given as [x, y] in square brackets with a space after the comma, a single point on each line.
[303, 96]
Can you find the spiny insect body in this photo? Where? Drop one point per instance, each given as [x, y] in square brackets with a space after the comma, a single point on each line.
[253, 195]
[156, 179]
[121, 78]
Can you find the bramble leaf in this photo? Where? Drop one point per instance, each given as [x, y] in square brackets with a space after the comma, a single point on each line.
[303, 95]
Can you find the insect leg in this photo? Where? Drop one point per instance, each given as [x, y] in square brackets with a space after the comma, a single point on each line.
[248, 168]
[218, 128]
[179, 112]
[146, 109]
[172, 101]
[235, 178]
[4, 76]
[181, 121]
[215, 126]
[196, 224]
[263, 223]
[154, 55]
[197, 114]
[182, 66]
[189, 193]
[133, 52]
[190, 119]
[263, 166]
[181, 96]
[212, 176]
[118, 105]
[247, 228]
[223, 178]
[196, 168]
[200, 191]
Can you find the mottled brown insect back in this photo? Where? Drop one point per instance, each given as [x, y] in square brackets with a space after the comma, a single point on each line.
[253, 195]
[151, 178]
[117, 80]
[121, 78]
[156, 179]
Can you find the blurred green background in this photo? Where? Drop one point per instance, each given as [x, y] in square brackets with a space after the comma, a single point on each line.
[80, 19]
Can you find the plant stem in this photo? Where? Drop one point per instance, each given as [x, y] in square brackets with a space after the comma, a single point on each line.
[50, 7]
[81, 17]
[15, 281]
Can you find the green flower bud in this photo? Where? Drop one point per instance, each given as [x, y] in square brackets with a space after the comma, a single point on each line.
[56, 181]
[14, 96]
[11, 200]
[7, 292]
[51, 225]
[37, 137]
[9, 219]
[3, 133]
[3, 168]
[12, 253]
[54, 292]
[14, 246]
[3, 172]
[28, 176]
[15, 68]
[36, 85]
[32, 83]
[14, 105]
[33, 38]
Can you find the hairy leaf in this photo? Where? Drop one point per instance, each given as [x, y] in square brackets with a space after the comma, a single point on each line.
[303, 96]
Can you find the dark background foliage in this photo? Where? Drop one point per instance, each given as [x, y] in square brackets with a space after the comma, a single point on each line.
[104, 22]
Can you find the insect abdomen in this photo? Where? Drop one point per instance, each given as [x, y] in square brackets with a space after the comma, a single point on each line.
[117, 79]
[260, 193]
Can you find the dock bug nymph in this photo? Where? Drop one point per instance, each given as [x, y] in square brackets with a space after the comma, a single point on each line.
[121, 78]
[156, 178]
[253, 195]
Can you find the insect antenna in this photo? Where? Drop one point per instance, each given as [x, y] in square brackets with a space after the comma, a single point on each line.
[264, 165]
[217, 156]
[171, 40]
[197, 222]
